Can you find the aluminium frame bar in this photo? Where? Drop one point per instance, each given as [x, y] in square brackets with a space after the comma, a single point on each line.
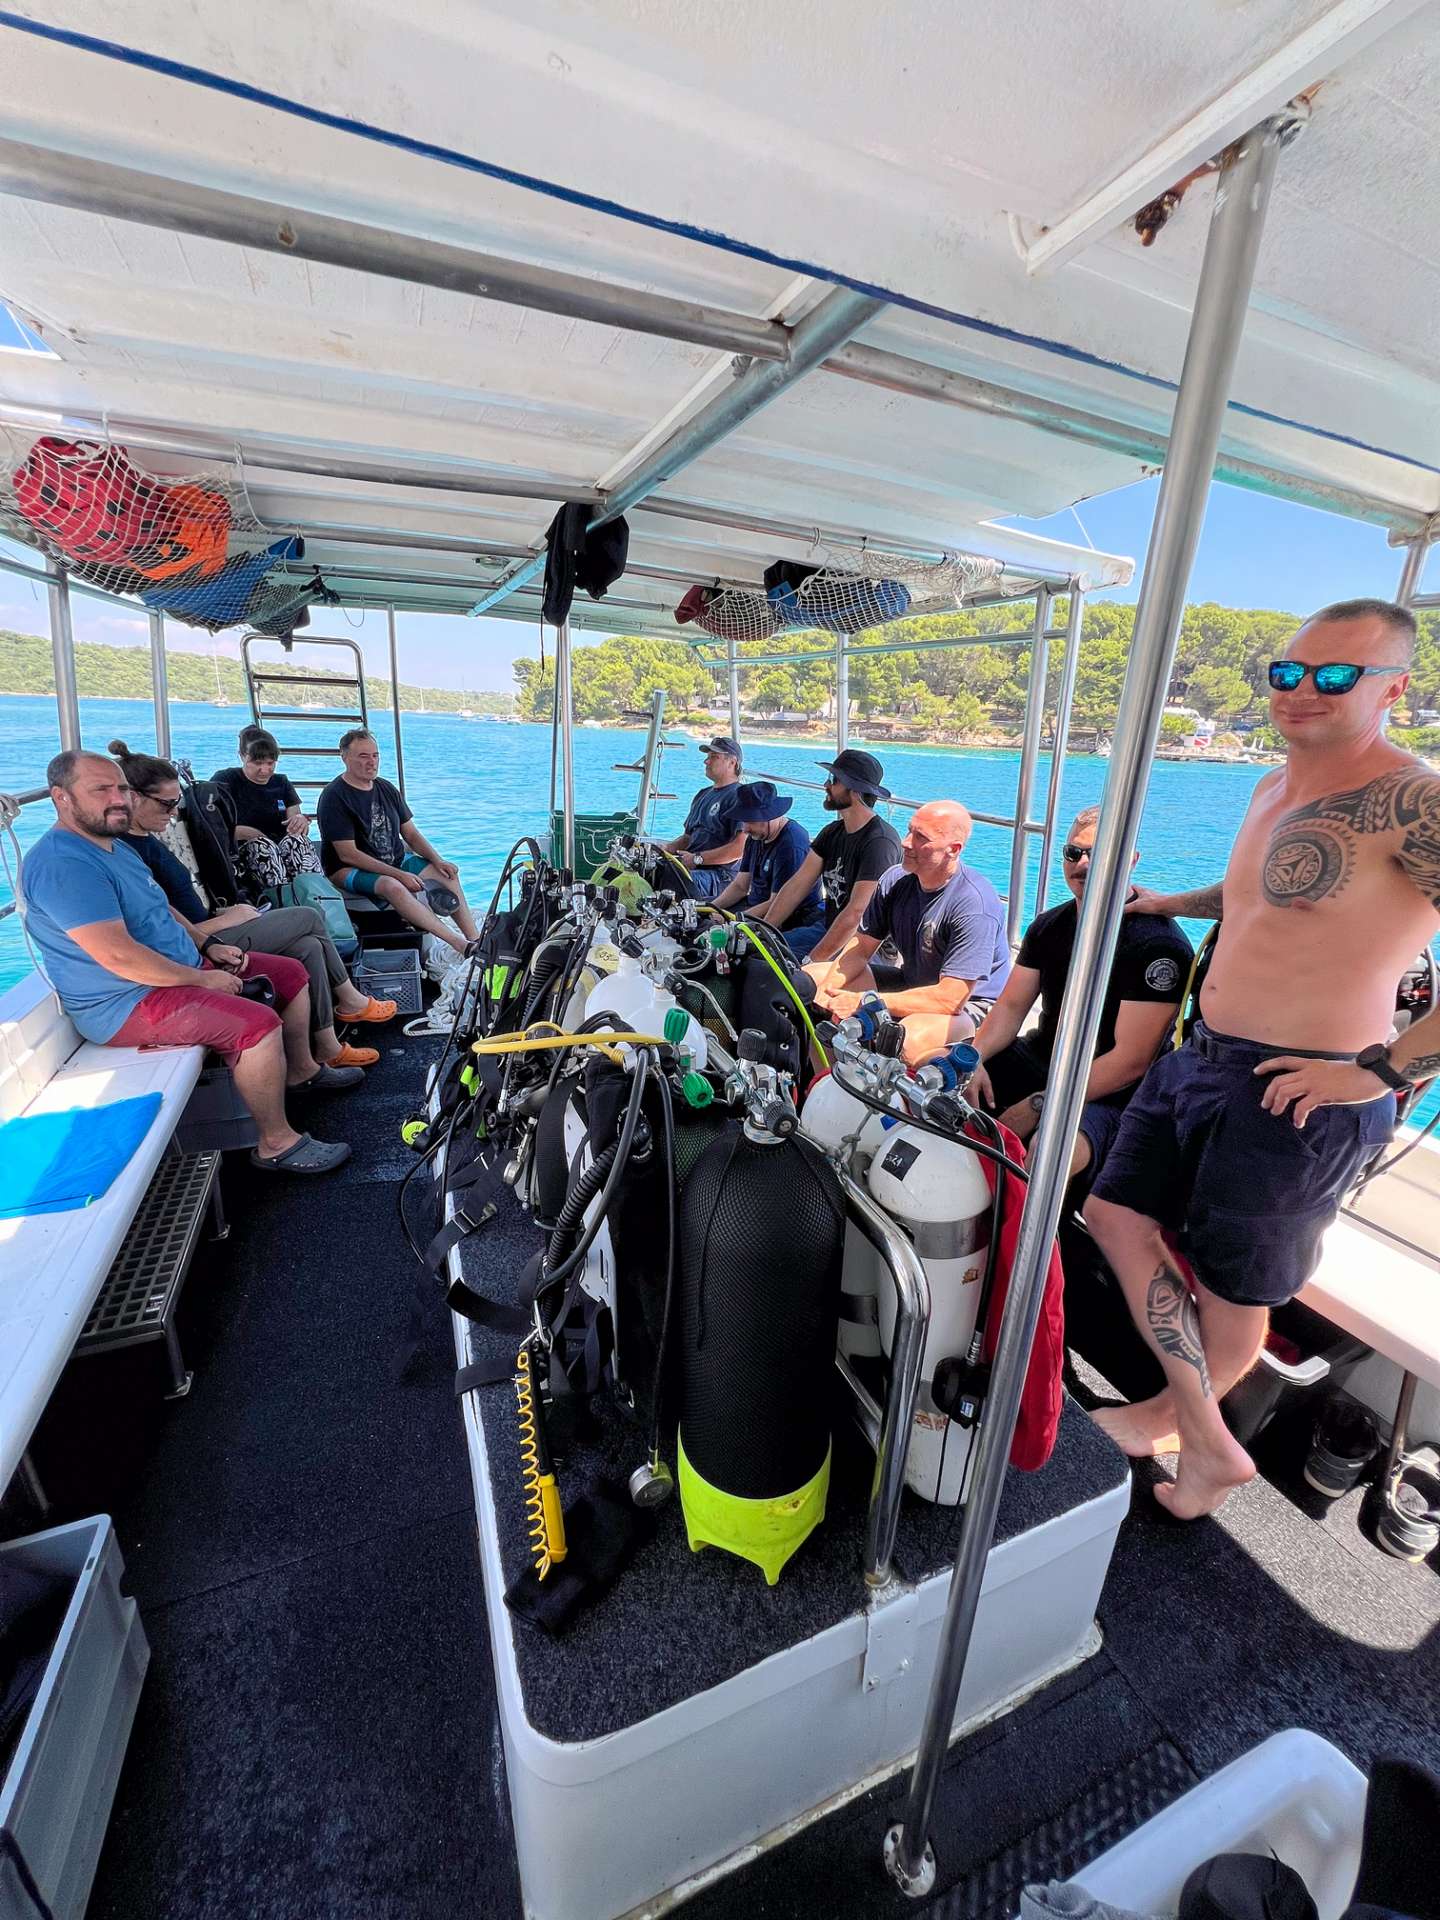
[565, 710]
[1060, 742]
[1417, 552]
[1029, 756]
[393, 643]
[151, 199]
[62, 653]
[160, 683]
[1222, 297]
[841, 313]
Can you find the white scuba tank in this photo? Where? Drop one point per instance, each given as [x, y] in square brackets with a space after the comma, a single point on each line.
[937, 1191]
[600, 962]
[830, 1117]
[630, 995]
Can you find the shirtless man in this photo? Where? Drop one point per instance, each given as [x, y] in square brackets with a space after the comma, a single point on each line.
[1243, 1144]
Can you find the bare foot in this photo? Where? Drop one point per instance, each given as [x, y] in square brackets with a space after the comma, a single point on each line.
[1141, 1430]
[1205, 1480]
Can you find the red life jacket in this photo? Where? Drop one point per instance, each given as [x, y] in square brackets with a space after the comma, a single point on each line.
[102, 512]
[1043, 1392]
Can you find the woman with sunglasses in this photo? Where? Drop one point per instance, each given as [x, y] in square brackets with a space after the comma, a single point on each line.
[297, 933]
[1237, 1150]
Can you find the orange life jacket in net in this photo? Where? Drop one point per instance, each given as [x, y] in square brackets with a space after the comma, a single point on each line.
[89, 501]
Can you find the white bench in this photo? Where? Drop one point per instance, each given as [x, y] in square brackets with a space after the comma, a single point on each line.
[1379, 1278]
[53, 1265]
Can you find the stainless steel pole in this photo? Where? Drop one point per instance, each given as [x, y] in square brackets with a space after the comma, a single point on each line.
[650, 756]
[395, 698]
[1237, 220]
[842, 693]
[732, 674]
[565, 712]
[1029, 755]
[160, 685]
[1416, 554]
[1065, 700]
[62, 652]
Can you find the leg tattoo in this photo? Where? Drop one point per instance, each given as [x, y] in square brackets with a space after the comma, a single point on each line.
[1175, 1322]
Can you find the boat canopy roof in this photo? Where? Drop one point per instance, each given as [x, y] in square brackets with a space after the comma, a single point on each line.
[398, 261]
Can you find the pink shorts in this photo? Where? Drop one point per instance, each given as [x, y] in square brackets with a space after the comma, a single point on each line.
[195, 1017]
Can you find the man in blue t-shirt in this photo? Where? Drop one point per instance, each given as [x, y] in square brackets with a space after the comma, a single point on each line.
[775, 850]
[948, 925]
[711, 841]
[129, 975]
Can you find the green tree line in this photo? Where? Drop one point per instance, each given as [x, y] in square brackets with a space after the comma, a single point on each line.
[123, 673]
[1220, 663]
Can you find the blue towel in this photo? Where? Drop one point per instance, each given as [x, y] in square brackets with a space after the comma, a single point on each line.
[50, 1162]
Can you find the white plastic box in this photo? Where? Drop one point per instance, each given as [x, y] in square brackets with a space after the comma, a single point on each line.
[55, 1797]
[1294, 1795]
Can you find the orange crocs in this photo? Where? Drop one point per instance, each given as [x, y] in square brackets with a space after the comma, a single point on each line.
[376, 1013]
[349, 1056]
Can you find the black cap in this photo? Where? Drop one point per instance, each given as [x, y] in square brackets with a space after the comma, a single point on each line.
[861, 772]
[722, 743]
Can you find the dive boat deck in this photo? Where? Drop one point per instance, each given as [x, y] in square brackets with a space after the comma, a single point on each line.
[318, 1733]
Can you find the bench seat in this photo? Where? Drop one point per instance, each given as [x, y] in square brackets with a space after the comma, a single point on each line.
[53, 1265]
[1384, 1292]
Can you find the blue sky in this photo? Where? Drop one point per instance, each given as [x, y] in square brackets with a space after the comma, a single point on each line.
[1254, 552]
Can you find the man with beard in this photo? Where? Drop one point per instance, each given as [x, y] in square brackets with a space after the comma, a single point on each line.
[1236, 1151]
[846, 858]
[129, 975]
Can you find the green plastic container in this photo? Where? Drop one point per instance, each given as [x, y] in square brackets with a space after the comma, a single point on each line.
[593, 834]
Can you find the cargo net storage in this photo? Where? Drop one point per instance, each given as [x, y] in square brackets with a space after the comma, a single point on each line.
[847, 590]
[188, 546]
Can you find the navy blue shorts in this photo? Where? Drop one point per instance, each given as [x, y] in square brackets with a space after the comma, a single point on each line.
[1247, 1193]
[1022, 1068]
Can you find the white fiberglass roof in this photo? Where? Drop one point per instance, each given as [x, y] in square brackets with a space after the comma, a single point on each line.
[977, 167]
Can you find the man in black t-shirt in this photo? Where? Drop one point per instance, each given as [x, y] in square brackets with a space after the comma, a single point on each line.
[370, 845]
[846, 859]
[1148, 978]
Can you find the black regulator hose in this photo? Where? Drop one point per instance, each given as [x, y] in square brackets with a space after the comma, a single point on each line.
[556, 1277]
[987, 1152]
[667, 1115]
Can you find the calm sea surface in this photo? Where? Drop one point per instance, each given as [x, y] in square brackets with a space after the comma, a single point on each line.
[476, 786]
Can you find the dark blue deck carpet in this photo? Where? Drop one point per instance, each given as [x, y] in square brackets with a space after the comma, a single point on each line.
[317, 1738]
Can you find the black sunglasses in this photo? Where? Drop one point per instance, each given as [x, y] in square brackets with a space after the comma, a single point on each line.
[169, 805]
[1072, 853]
[1336, 676]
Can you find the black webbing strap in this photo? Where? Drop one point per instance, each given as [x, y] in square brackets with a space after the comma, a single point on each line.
[484, 1373]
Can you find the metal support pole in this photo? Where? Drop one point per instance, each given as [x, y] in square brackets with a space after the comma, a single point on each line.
[1416, 554]
[1065, 700]
[565, 719]
[650, 756]
[1247, 173]
[732, 674]
[1029, 755]
[62, 650]
[160, 685]
[907, 1354]
[395, 698]
[842, 693]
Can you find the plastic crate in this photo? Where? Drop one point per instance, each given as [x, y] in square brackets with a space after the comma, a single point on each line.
[593, 834]
[388, 973]
[56, 1794]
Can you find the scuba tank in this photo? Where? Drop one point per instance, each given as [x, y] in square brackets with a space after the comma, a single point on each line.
[761, 1236]
[937, 1191]
[633, 999]
[868, 1044]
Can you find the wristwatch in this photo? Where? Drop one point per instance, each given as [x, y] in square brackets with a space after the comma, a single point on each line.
[207, 943]
[1037, 1102]
[1377, 1060]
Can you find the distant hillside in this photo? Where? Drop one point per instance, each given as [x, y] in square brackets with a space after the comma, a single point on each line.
[123, 673]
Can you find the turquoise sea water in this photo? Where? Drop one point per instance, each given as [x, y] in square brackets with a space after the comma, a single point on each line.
[477, 786]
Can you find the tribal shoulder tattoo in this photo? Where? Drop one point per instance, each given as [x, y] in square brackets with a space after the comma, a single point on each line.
[1312, 853]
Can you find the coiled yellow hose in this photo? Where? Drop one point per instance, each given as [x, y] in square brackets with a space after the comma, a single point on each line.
[544, 1520]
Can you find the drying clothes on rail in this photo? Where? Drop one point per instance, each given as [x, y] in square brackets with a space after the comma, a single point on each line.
[575, 557]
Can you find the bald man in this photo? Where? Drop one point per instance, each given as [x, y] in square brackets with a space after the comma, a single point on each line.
[948, 926]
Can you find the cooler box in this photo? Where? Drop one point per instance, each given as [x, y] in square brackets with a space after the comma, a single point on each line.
[593, 834]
